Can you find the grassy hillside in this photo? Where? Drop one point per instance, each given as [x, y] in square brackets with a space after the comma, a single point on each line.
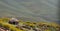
[33, 25]
[30, 8]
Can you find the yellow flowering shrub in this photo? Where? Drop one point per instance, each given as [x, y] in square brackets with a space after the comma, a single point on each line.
[9, 26]
[4, 19]
[47, 30]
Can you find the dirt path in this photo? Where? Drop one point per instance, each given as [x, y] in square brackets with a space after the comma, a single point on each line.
[1, 29]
